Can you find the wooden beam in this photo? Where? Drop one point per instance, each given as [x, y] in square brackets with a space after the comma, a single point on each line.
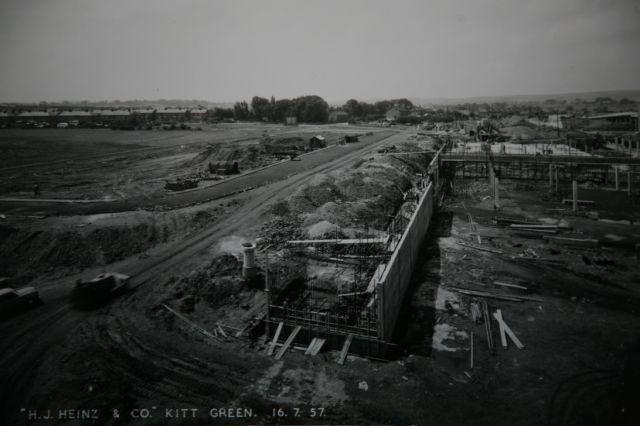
[504, 328]
[345, 349]
[503, 284]
[193, 325]
[479, 248]
[344, 241]
[311, 346]
[287, 342]
[221, 331]
[316, 349]
[487, 327]
[272, 346]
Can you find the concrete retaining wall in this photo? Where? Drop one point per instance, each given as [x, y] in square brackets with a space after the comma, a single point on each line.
[393, 285]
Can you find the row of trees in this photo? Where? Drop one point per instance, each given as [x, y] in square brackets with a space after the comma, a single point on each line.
[308, 109]
[357, 109]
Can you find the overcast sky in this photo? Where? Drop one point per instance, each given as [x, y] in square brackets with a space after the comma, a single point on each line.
[57, 50]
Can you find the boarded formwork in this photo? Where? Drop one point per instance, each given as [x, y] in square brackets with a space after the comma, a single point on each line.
[397, 276]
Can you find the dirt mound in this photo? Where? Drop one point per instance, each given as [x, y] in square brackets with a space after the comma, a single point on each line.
[110, 239]
[355, 198]
[247, 156]
[214, 284]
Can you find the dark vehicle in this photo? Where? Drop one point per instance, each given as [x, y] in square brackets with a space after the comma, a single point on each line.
[100, 289]
[15, 300]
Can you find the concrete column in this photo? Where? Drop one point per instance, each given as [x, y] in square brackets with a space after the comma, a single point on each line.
[616, 141]
[550, 175]
[496, 197]
[575, 195]
[615, 174]
[249, 269]
[556, 170]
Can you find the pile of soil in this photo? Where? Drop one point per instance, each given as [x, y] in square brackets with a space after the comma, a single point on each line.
[33, 250]
[247, 156]
[213, 284]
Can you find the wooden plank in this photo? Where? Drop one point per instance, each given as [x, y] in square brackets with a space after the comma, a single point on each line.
[193, 325]
[345, 349]
[507, 330]
[311, 346]
[345, 241]
[287, 342]
[499, 296]
[503, 335]
[272, 346]
[316, 349]
[221, 331]
[487, 327]
[567, 240]
[487, 295]
[503, 284]
[479, 248]
[356, 293]
[531, 226]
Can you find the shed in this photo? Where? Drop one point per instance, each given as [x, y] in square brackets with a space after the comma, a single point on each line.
[350, 138]
[317, 142]
[224, 167]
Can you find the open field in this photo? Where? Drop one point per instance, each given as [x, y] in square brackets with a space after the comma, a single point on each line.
[119, 165]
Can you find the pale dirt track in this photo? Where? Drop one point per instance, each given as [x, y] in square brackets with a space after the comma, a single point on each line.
[37, 342]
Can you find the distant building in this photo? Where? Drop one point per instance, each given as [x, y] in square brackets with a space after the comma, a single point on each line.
[198, 114]
[34, 116]
[112, 116]
[317, 142]
[74, 116]
[351, 138]
[396, 112]
[4, 118]
[620, 121]
[171, 115]
[290, 121]
[338, 117]
[144, 114]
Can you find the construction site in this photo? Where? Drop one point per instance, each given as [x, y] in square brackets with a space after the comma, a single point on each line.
[320, 213]
[424, 261]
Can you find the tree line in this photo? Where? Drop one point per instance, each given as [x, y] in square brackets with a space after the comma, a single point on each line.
[308, 109]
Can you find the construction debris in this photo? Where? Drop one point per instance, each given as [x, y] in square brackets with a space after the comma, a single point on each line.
[345, 349]
[506, 331]
[487, 327]
[191, 324]
[503, 284]
[288, 342]
[479, 248]
[272, 345]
